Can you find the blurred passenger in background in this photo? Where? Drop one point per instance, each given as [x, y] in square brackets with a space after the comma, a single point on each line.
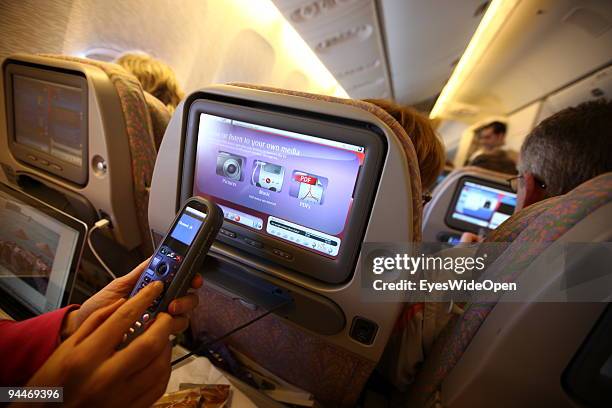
[492, 137]
[155, 76]
[428, 146]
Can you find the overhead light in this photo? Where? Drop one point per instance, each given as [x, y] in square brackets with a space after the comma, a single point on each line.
[493, 20]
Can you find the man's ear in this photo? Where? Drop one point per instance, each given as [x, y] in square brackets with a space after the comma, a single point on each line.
[533, 190]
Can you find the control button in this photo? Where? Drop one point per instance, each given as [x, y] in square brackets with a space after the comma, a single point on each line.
[147, 279]
[56, 167]
[155, 262]
[137, 324]
[363, 330]
[162, 268]
[282, 254]
[163, 250]
[31, 158]
[44, 162]
[146, 317]
[253, 243]
[124, 337]
[228, 233]
[131, 330]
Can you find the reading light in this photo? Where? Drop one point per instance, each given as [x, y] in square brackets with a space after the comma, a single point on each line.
[494, 19]
[270, 23]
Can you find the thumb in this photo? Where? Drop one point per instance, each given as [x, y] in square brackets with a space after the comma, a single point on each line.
[127, 281]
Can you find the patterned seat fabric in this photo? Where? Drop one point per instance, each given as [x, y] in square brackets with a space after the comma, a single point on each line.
[160, 116]
[542, 223]
[333, 375]
[140, 137]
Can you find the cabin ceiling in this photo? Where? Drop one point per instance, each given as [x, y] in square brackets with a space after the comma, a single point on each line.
[401, 49]
[544, 45]
[204, 41]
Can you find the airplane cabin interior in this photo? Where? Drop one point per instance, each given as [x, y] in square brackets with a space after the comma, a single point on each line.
[281, 129]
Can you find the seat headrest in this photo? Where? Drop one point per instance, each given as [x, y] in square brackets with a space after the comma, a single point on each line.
[160, 117]
[544, 223]
[407, 146]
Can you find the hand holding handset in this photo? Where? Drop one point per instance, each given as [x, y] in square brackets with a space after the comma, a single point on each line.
[178, 258]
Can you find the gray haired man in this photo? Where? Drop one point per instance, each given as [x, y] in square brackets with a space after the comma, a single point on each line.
[562, 152]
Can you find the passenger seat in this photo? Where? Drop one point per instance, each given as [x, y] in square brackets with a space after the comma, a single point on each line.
[514, 353]
[146, 119]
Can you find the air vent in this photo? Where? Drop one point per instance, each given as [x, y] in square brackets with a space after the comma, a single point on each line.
[588, 20]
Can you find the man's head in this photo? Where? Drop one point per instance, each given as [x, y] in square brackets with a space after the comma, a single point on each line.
[492, 135]
[565, 150]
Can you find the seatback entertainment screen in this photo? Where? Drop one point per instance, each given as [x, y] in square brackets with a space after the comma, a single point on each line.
[49, 118]
[294, 187]
[480, 205]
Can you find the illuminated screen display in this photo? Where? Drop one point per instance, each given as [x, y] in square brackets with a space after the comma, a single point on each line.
[188, 226]
[48, 117]
[294, 187]
[483, 206]
[36, 254]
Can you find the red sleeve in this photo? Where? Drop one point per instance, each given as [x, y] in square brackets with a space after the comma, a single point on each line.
[26, 345]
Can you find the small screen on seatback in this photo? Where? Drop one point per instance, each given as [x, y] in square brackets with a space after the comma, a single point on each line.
[294, 187]
[483, 206]
[48, 118]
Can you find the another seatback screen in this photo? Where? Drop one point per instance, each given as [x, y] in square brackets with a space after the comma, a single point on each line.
[294, 187]
[48, 117]
[36, 254]
[479, 205]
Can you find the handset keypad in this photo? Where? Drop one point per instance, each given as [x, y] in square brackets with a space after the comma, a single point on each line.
[163, 267]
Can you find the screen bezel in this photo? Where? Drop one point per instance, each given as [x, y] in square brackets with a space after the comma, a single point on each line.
[463, 225]
[29, 155]
[330, 270]
[63, 218]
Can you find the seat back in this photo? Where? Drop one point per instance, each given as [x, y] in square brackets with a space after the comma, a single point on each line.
[435, 227]
[519, 349]
[120, 142]
[333, 366]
